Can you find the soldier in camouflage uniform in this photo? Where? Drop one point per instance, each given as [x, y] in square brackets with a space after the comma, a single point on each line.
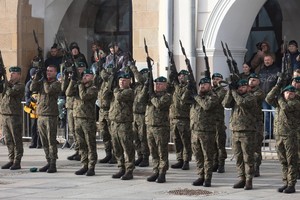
[158, 129]
[105, 96]
[255, 89]
[286, 129]
[139, 109]
[85, 94]
[242, 121]
[48, 89]
[220, 153]
[296, 84]
[203, 127]
[12, 92]
[121, 117]
[69, 106]
[180, 120]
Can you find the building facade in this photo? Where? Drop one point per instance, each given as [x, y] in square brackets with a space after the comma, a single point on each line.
[239, 23]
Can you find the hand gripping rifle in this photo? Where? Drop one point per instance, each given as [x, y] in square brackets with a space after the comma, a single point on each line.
[192, 80]
[150, 62]
[207, 71]
[3, 78]
[41, 66]
[173, 68]
[234, 73]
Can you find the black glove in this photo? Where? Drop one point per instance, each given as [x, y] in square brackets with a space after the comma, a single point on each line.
[233, 86]
[279, 82]
[191, 86]
[74, 77]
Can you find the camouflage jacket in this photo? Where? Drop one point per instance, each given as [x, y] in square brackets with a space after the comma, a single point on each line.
[221, 92]
[287, 113]
[105, 94]
[181, 102]
[121, 107]
[243, 117]
[157, 111]
[85, 97]
[69, 99]
[140, 92]
[11, 98]
[260, 96]
[47, 96]
[203, 112]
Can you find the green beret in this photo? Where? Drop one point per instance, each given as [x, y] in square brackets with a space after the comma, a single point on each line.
[296, 79]
[204, 80]
[242, 82]
[80, 64]
[184, 72]
[124, 75]
[217, 75]
[33, 169]
[253, 75]
[160, 79]
[15, 69]
[289, 88]
[88, 71]
[145, 70]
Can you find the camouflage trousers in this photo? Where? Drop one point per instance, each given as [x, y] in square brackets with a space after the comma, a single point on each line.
[243, 144]
[104, 129]
[298, 152]
[288, 157]
[122, 140]
[140, 136]
[180, 130]
[47, 126]
[202, 143]
[220, 142]
[71, 128]
[85, 131]
[259, 137]
[12, 131]
[158, 139]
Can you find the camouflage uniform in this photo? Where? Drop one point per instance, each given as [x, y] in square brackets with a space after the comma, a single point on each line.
[180, 122]
[47, 110]
[259, 94]
[158, 130]
[121, 117]
[298, 136]
[70, 118]
[242, 121]
[85, 121]
[11, 120]
[220, 143]
[203, 127]
[286, 128]
[139, 109]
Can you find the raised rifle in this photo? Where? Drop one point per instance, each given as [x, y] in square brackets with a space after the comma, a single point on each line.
[173, 68]
[188, 65]
[3, 78]
[41, 66]
[150, 62]
[207, 71]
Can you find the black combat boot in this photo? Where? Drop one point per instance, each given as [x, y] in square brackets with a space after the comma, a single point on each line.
[82, 171]
[138, 161]
[45, 168]
[207, 183]
[298, 174]
[153, 177]
[161, 178]
[16, 165]
[7, 165]
[240, 184]
[107, 157]
[290, 189]
[72, 157]
[52, 167]
[113, 160]
[177, 165]
[119, 174]
[186, 165]
[127, 176]
[221, 169]
[198, 182]
[77, 157]
[145, 162]
[248, 185]
[256, 171]
[215, 167]
[281, 189]
[90, 172]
